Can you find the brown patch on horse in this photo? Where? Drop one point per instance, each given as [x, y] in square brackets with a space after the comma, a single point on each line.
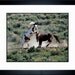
[40, 37]
[37, 36]
[43, 37]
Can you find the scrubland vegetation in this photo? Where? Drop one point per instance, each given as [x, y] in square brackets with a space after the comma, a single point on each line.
[17, 23]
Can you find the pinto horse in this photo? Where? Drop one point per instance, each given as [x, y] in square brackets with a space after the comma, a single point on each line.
[40, 37]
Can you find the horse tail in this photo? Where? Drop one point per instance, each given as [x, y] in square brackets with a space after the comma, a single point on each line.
[56, 37]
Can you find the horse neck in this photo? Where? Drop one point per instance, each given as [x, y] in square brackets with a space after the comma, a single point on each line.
[37, 36]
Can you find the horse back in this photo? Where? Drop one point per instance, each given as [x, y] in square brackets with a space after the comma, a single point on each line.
[44, 37]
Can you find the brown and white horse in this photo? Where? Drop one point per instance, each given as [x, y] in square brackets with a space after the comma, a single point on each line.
[40, 37]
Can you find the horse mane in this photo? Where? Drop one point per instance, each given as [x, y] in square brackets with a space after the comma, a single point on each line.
[33, 29]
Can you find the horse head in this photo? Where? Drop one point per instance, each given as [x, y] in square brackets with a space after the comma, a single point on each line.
[35, 28]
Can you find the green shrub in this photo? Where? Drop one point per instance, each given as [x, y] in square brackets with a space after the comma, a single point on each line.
[32, 49]
[55, 52]
[16, 25]
[56, 23]
[13, 39]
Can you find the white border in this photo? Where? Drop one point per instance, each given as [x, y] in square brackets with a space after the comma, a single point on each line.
[37, 65]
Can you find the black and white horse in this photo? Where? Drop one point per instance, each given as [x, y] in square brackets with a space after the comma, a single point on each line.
[28, 34]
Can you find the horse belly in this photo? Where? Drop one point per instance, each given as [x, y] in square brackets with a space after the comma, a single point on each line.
[44, 38]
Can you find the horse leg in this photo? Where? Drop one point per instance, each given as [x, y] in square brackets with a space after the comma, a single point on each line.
[40, 43]
[49, 42]
[47, 45]
[27, 38]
